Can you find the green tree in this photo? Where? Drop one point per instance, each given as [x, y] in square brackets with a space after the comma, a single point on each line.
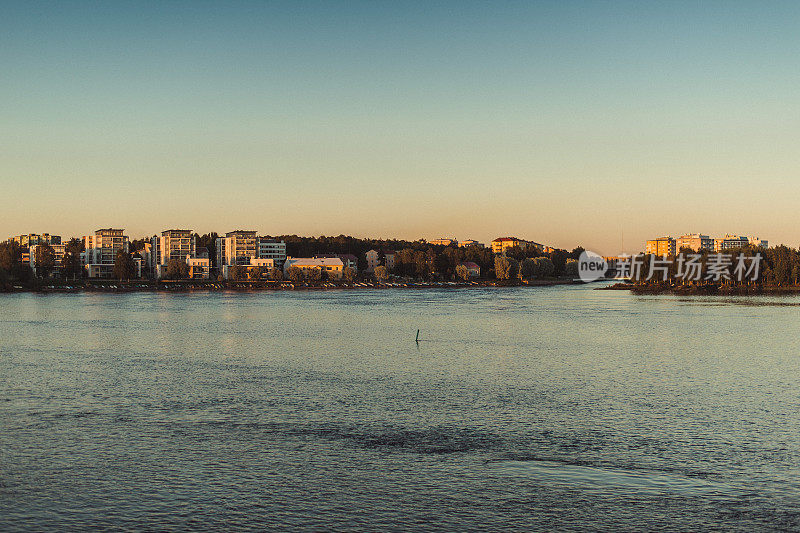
[502, 267]
[381, 273]
[527, 268]
[544, 267]
[71, 263]
[124, 267]
[462, 272]
[275, 274]
[571, 268]
[295, 274]
[349, 274]
[44, 259]
[256, 273]
[177, 269]
[237, 273]
[315, 274]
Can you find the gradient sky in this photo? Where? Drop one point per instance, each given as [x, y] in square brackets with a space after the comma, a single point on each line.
[562, 122]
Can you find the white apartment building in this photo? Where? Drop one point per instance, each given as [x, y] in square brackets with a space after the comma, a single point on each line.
[695, 242]
[272, 249]
[176, 244]
[729, 242]
[470, 242]
[238, 247]
[58, 256]
[443, 241]
[101, 251]
[373, 259]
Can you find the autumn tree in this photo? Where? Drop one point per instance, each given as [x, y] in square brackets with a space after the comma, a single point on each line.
[462, 272]
[295, 274]
[381, 273]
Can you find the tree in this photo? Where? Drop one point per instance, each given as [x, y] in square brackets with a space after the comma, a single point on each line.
[71, 263]
[502, 267]
[462, 272]
[381, 273]
[515, 252]
[124, 267]
[527, 268]
[256, 273]
[177, 269]
[237, 273]
[295, 274]
[349, 274]
[571, 268]
[44, 259]
[275, 274]
[315, 274]
[544, 267]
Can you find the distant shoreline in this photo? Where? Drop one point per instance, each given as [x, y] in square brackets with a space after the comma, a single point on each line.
[114, 287]
[703, 290]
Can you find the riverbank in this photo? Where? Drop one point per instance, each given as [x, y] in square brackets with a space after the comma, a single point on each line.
[114, 286]
[703, 290]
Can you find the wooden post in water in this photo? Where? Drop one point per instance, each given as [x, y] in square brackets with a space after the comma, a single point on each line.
[417, 339]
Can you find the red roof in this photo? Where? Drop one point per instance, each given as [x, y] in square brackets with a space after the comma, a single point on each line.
[470, 265]
[501, 239]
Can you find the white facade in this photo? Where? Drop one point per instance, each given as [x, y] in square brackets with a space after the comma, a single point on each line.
[332, 266]
[272, 249]
[238, 247]
[178, 244]
[101, 251]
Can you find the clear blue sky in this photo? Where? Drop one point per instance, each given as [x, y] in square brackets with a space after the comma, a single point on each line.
[563, 122]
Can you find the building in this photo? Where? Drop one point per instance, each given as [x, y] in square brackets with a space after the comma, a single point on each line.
[331, 266]
[237, 247]
[373, 259]
[695, 242]
[32, 239]
[101, 251]
[473, 269]
[501, 244]
[661, 246]
[443, 241]
[173, 244]
[470, 242]
[730, 242]
[199, 267]
[755, 241]
[264, 263]
[58, 256]
[349, 260]
[272, 249]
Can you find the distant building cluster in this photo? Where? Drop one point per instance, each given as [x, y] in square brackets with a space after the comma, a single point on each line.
[697, 242]
[239, 254]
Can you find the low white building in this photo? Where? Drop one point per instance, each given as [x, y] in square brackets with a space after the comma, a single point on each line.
[333, 267]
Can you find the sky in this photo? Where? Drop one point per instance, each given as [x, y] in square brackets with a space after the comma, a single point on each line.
[599, 124]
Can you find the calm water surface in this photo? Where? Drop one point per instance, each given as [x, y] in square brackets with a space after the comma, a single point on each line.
[525, 409]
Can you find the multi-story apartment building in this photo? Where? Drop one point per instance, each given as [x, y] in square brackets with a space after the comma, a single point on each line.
[373, 259]
[695, 242]
[101, 251]
[755, 241]
[32, 239]
[470, 242]
[660, 246]
[443, 241]
[178, 244]
[58, 256]
[199, 267]
[501, 244]
[729, 242]
[237, 248]
[272, 249]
